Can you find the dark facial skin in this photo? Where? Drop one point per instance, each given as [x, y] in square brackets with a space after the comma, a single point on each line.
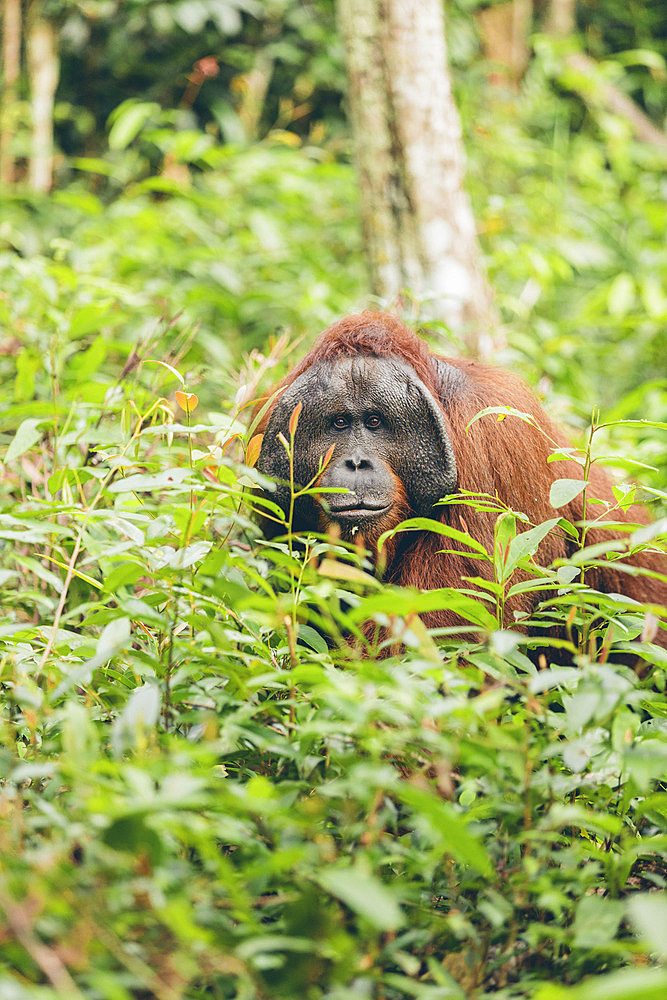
[362, 441]
[391, 449]
[365, 434]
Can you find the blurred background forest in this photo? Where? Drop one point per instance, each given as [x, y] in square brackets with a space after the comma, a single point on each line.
[202, 170]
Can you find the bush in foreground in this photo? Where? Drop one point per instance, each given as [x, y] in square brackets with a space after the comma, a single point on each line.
[211, 792]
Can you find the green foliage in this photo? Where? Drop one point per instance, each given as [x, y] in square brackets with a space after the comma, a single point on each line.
[222, 263]
[126, 48]
[240, 768]
[213, 789]
[573, 218]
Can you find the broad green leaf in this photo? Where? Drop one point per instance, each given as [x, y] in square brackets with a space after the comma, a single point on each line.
[146, 482]
[563, 491]
[648, 532]
[648, 913]
[343, 571]
[526, 543]
[596, 921]
[312, 638]
[592, 552]
[405, 602]
[547, 679]
[638, 983]
[128, 121]
[133, 835]
[140, 713]
[89, 319]
[447, 827]
[93, 165]
[621, 294]
[191, 554]
[27, 435]
[364, 893]
[27, 366]
[114, 637]
[566, 574]
[276, 942]
[576, 754]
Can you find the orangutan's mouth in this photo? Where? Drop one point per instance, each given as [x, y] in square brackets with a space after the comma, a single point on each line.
[362, 512]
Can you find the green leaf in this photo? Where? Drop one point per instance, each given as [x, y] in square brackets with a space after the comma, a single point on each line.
[392, 601]
[146, 482]
[27, 366]
[596, 921]
[128, 121]
[660, 424]
[169, 368]
[92, 164]
[501, 412]
[343, 571]
[188, 556]
[563, 491]
[447, 828]
[648, 532]
[311, 637]
[621, 294]
[648, 914]
[26, 436]
[115, 636]
[437, 527]
[592, 552]
[141, 712]
[86, 320]
[364, 893]
[547, 679]
[133, 835]
[526, 543]
[626, 984]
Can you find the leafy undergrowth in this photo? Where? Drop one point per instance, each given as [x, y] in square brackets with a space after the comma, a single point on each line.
[216, 787]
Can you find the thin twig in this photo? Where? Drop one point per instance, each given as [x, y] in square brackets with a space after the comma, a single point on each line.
[63, 597]
[45, 958]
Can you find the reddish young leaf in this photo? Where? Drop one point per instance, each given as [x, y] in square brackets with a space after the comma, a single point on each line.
[283, 440]
[210, 471]
[327, 457]
[294, 419]
[253, 450]
[187, 401]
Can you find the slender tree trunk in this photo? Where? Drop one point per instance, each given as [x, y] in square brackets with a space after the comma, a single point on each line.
[255, 88]
[11, 62]
[560, 18]
[418, 224]
[504, 30]
[44, 69]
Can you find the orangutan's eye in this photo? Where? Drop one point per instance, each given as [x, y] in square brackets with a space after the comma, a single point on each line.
[373, 422]
[340, 423]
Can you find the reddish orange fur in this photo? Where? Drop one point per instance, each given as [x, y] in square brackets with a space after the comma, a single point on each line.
[507, 459]
[370, 332]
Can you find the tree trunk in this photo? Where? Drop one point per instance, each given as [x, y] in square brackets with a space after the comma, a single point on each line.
[417, 219]
[504, 30]
[43, 68]
[11, 62]
[560, 18]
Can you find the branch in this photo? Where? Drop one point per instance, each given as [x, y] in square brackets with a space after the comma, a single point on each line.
[602, 93]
